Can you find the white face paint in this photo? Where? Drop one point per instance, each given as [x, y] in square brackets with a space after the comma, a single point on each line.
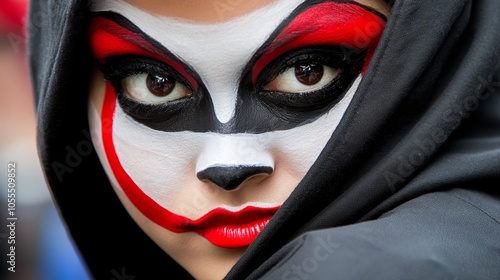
[218, 52]
[164, 166]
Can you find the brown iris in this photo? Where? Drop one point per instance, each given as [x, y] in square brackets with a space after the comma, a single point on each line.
[160, 85]
[309, 74]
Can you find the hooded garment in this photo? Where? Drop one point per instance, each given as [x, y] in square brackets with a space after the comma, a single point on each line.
[408, 186]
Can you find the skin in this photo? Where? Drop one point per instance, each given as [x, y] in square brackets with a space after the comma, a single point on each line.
[198, 256]
[219, 10]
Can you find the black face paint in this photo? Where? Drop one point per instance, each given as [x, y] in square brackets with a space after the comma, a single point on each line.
[289, 110]
[257, 110]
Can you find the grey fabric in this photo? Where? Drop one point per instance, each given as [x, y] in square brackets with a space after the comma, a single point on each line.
[428, 237]
[407, 187]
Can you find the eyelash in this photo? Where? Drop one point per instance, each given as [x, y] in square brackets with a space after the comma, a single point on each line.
[117, 68]
[290, 59]
[349, 67]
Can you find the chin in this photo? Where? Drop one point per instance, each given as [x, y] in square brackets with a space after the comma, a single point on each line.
[197, 255]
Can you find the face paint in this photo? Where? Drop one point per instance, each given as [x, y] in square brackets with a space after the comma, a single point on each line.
[226, 125]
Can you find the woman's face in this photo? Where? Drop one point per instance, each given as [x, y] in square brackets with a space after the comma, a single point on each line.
[207, 114]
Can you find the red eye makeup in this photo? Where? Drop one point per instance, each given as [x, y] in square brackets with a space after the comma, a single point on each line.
[325, 46]
[330, 23]
[110, 39]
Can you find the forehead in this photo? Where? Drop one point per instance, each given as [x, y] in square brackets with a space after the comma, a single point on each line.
[219, 52]
[207, 11]
[211, 11]
[239, 35]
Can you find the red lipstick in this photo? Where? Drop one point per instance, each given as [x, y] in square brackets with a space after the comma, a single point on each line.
[228, 229]
[220, 226]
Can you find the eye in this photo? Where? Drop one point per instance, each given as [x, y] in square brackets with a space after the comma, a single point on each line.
[303, 70]
[154, 88]
[302, 77]
[145, 81]
[310, 78]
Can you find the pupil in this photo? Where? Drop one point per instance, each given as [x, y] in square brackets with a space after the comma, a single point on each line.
[309, 74]
[159, 85]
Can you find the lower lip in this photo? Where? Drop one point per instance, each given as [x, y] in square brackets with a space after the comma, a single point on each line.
[234, 236]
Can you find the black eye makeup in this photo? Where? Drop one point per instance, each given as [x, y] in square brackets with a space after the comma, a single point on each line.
[301, 72]
[146, 87]
[307, 77]
[310, 77]
[295, 88]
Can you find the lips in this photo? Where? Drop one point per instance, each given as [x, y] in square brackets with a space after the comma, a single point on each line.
[220, 226]
[228, 229]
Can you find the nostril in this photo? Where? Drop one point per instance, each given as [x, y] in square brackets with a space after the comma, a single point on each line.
[230, 177]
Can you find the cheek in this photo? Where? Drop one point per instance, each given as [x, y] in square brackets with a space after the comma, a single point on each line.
[297, 149]
[163, 165]
[158, 164]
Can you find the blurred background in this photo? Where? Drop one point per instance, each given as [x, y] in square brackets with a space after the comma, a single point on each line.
[43, 249]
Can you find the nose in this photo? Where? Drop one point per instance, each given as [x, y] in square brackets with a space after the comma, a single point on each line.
[229, 160]
[230, 177]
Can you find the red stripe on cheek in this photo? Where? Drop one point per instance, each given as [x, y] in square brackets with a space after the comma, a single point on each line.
[107, 39]
[148, 207]
[330, 23]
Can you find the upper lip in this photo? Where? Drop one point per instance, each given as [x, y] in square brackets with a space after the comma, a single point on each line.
[224, 217]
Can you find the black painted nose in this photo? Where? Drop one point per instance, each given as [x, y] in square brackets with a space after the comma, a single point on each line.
[230, 177]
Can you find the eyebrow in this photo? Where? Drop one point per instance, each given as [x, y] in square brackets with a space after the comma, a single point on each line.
[111, 34]
[346, 24]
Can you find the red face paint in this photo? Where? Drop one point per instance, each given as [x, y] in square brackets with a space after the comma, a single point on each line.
[108, 38]
[328, 23]
[220, 226]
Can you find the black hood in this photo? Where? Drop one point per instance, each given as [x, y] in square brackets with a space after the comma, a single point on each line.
[409, 183]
